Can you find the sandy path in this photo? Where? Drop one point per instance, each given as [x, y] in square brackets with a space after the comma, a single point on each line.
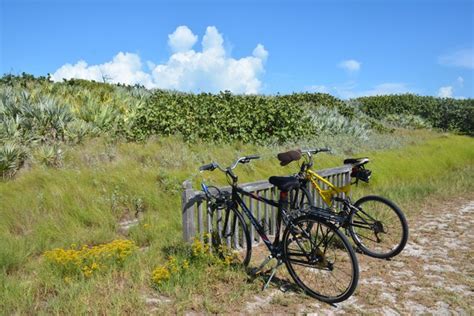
[433, 275]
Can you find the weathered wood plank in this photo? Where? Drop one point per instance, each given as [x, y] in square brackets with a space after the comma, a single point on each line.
[193, 213]
[187, 202]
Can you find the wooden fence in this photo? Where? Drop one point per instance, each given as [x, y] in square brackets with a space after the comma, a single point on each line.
[197, 221]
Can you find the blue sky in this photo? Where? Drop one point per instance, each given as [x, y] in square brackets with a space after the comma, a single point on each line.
[346, 48]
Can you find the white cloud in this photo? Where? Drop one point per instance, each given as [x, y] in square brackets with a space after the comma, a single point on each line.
[319, 88]
[349, 90]
[212, 42]
[350, 65]
[124, 68]
[387, 88]
[460, 81]
[182, 39]
[260, 52]
[461, 58]
[210, 70]
[445, 92]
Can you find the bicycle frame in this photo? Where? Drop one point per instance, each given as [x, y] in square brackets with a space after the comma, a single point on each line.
[326, 194]
[272, 247]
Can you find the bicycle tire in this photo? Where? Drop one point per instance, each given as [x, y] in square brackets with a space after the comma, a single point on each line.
[235, 238]
[306, 265]
[389, 219]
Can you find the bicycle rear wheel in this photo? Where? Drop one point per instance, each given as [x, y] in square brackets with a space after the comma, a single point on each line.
[379, 227]
[320, 259]
[231, 242]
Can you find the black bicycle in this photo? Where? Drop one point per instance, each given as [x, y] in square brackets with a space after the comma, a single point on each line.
[317, 255]
[377, 225]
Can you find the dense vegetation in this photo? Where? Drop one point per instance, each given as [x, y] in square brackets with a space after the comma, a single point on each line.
[443, 113]
[38, 116]
[90, 158]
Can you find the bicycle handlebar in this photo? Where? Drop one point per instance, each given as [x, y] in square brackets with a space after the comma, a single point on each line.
[214, 165]
[316, 150]
[211, 166]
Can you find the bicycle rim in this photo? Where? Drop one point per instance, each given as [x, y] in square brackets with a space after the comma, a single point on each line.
[379, 228]
[320, 259]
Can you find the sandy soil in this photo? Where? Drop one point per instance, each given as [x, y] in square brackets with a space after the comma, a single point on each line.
[433, 275]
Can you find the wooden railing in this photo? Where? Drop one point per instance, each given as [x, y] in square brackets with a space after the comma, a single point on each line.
[197, 221]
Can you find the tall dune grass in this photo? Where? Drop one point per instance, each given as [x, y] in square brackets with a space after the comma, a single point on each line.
[102, 183]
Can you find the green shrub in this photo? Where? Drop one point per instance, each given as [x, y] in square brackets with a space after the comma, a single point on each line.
[444, 113]
[49, 155]
[330, 121]
[407, 121]
[11, 158]
[221, 118]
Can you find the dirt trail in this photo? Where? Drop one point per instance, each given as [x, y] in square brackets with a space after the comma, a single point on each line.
[433, 275]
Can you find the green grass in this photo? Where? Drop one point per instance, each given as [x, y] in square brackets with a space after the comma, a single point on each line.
[102, 183]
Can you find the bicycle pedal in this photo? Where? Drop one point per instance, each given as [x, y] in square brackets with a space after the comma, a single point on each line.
[285, 287]
[254, 272]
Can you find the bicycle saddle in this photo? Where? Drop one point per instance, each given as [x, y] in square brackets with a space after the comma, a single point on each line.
[356, 161]
[284, 183]
[289, 156]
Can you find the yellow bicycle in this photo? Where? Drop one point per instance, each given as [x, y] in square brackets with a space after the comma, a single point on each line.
[376, 224]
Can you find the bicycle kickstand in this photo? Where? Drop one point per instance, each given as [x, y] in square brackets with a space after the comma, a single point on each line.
[274, 270]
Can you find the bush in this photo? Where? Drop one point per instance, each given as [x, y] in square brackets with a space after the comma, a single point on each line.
[331, 122]
[11, 158]
[407, 121]
[49, 155]
[444, 113]
[221, 118]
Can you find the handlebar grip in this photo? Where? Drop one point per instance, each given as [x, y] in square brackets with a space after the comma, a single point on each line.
[252, 157]
[247, 159]
[211, 166]
[318, 150]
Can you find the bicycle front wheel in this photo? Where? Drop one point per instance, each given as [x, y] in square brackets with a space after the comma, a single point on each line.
[231, 242]
[378, 227]
[320, 259]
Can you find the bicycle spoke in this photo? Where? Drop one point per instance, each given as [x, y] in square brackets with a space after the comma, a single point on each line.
[328, 268]
[378, 227]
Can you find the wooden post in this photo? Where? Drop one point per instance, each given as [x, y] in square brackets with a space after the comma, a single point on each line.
[189, 227]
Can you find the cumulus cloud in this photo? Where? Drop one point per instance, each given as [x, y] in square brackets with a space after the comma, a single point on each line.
[210, 70]
[260, 52]
[124, 68]
[461, 58]
[460, 81]
[182, 39]
[350, 65]
[445, 92]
